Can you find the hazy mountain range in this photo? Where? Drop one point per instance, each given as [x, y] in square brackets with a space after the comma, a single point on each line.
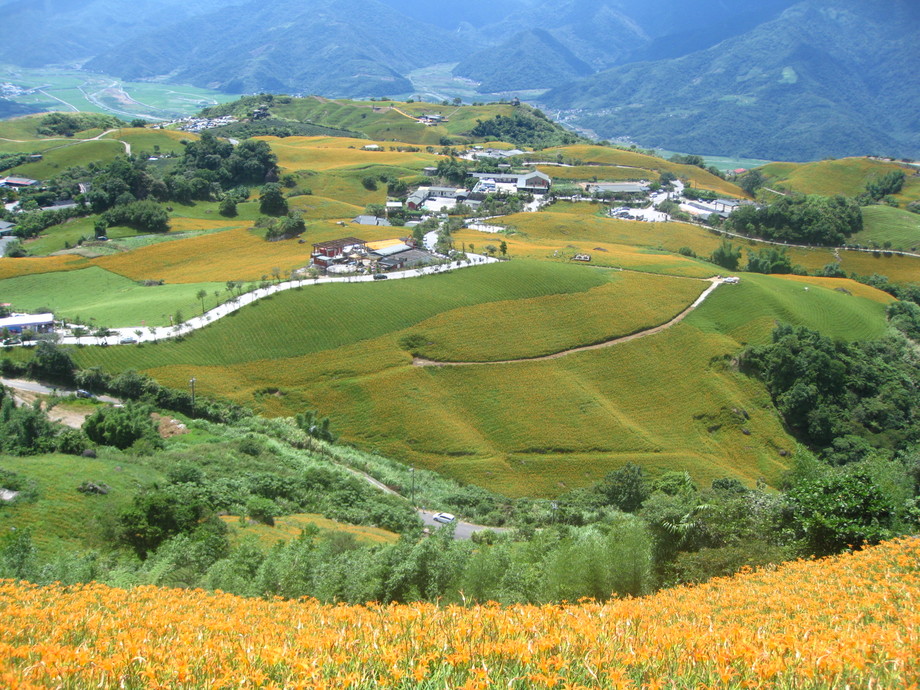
[765, 78]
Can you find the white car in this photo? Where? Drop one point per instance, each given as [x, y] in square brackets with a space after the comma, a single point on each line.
[445, 518]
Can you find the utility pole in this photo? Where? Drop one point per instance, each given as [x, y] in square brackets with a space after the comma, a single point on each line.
[412, 490]
[192, 384]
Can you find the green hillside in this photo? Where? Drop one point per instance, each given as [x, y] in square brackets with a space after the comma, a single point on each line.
[843, 176]
[883, 225]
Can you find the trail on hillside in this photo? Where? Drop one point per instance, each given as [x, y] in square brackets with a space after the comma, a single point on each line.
[715, 282]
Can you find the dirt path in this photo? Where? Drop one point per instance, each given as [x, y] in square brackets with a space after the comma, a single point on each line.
[714, 283]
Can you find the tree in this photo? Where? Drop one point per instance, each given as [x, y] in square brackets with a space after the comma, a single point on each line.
[503, 248]
[201, 294]
[840, 508]
[227, 207]
[121, 426]
[726, 255]
[752, 181]
[625, 488]
[272, 201]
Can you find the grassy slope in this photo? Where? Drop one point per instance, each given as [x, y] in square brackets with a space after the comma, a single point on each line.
[611, 156]
[841, 176]
[297, 322]
[107, 298]
[525, 429]
[66, 155]
[62, 517]
[887, 224]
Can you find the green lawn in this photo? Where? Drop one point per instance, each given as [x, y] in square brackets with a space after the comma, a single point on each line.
[100, 297]
[888, 224]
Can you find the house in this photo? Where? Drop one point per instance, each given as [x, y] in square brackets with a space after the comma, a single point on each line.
[370, 220]
[6, 228]
[619, 188]
[394, 206]
[417, 198]
[479, 152]
[430, 171]
[441, 197]
[725, 206]
[17, 323]
[371, 147]
[18, 182]
[534, 182]
[327, 253]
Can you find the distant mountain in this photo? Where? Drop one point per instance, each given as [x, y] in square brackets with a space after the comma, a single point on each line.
[531, 60]
[333, 47]
[825, 78]
[34, 34]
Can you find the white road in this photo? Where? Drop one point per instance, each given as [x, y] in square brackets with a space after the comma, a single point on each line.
[142, 334]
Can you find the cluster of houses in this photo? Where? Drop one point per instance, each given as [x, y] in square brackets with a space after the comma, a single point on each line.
[197, 124]
[353, 255]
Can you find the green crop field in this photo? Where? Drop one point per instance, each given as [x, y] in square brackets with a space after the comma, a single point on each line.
[152, 140]
[103, 298]
[61, 515]
[883, 224]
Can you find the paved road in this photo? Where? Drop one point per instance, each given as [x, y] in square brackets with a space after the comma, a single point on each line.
[462, 530]
[35, 387]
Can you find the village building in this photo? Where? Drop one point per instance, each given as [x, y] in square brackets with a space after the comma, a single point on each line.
[619, 188]
[436, 198]
[510, 183]
[325, 254]
[6, 228]
[18, 182]
[17, 323]
[496, 153]
[370, 220]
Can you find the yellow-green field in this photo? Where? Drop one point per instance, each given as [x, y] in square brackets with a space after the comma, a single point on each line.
[666, 401]
[610, 156]
[292, 526]
[670, 400]
[843, 176]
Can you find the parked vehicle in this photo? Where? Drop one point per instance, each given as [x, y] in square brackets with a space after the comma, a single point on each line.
[444, 518]
[128, 340]
[85, 394]
[380, 276]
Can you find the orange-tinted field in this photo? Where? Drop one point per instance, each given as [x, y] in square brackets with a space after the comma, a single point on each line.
[850, 621]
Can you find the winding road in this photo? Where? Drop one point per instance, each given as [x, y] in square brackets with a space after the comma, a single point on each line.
[714, 283]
